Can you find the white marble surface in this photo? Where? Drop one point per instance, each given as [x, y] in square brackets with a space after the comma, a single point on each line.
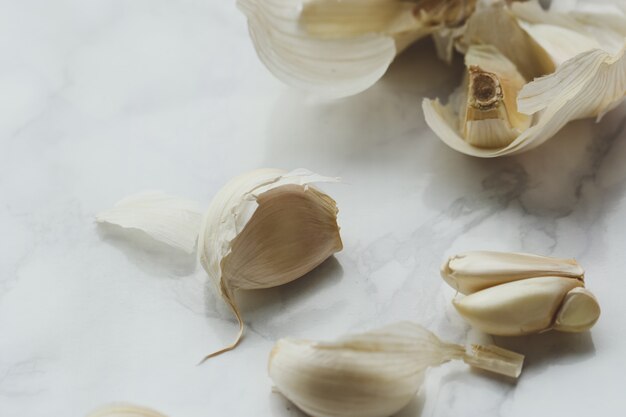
[102, 99]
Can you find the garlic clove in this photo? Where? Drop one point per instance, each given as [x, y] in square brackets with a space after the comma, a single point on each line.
[579, 312]
[292, 231]
[266, 228]
[518, 307]
[470, 272]
[489, 115]
[338, 48]
[373, 374]
[172, 220]
[330, 67]
[124, 410]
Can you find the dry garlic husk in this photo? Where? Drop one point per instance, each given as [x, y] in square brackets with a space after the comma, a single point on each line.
[589, 78]
[171, 220]
[511, 294]
[470, 272]
[373, 374]
[264, 229]
[125, 410]
[341, 47]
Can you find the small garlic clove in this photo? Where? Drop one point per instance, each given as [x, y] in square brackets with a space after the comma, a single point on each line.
[518, 307]
[473, 271]
[266, 228]
[125, 410]
[373, 374]
[489, 115]
[579, 312]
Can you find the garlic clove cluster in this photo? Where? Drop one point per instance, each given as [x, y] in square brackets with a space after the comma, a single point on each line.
[510, 294]
[552, 66]
[573, 66]
[373, 374]
[266, 228]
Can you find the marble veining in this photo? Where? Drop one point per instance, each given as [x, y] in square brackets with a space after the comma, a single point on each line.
[107, 98]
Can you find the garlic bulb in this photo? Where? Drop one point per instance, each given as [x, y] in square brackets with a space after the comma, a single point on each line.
[125, 410]
[264, 229]
[588, 80]
[373, 374]
[341, 47]
[551, 67]
[512, 294]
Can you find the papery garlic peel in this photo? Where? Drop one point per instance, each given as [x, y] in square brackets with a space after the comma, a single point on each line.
[264, 229]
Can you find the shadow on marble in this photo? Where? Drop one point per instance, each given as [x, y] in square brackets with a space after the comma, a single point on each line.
[259, 307]
[550, 348]
[146, 253]
[387, 111]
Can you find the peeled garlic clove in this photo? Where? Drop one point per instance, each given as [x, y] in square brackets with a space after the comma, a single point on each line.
[473, 271]
[125, 410]
[579, 312]
[264, 229]
[518, 307]
[373, 374]
[171, 220]
[490, 117]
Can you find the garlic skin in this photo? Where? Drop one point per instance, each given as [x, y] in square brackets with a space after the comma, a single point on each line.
[168, 219]
[470, 272]
[373, 374]
[266, 228]
[125, 410]
[516, 308]
[337, 48]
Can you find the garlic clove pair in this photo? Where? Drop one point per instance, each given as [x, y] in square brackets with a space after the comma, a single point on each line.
[511, 294]
[373, 374]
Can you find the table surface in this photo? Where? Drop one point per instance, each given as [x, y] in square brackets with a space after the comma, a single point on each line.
[103, 99]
